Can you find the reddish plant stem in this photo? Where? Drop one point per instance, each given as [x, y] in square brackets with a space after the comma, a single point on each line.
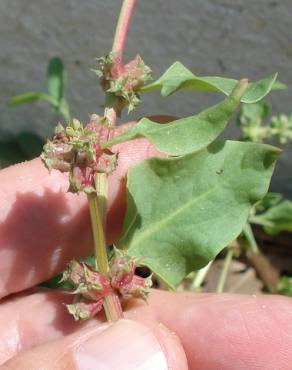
[122, 28]
[98, 202]
[118, 48]
[97, 207]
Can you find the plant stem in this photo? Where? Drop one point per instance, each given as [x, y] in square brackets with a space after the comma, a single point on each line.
[101, 263]
[98, 201]
[101, 186]
[118, 48]
[122, 27]
[224, 272]
[248, 233]
[200, 277]
[97, 206]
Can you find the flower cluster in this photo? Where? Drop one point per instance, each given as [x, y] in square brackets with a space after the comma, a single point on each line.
[77, 149]
[281, 128]
[123, 80]
[123, 278]
[91, 287]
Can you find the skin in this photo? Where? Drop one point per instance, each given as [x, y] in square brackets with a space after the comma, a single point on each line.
[42, 227]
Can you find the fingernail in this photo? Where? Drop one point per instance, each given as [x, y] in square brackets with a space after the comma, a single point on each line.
[125, 345]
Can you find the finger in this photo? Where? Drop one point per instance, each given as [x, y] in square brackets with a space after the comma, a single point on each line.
[217, 331]
[27, 321]
[226, 331]
[42, 227]
[124, 345]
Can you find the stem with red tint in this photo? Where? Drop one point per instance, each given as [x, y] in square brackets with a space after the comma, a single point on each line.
[122, 28]
[98, 201]
[118, 48]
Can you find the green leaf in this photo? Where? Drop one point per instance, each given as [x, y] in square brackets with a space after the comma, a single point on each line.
[279, 86]
[65, 110]
[275, 219]
[55, 96]
[188, 134]
[56, 283]
[31, 97]
[178, 77]
[56, 79]
[268, 201]
[183, 211]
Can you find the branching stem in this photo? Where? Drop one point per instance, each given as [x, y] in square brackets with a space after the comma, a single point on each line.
[98, 201]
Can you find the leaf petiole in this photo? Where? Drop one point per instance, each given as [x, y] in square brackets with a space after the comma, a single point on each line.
[226, 266]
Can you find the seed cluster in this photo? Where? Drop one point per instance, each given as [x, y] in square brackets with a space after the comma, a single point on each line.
[123, 80]
[77, 149]
[91, 287]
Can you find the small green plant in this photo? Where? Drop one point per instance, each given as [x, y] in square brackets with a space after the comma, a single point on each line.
[183, 209]
[27, 144]
[256, 126]
[55, 96]
[273, 212]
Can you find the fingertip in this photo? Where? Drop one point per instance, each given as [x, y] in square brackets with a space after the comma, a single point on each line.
[123, 345]
[171, 345]
[128, 345]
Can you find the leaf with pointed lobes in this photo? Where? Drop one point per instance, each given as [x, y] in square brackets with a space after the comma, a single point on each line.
[178, 77]
[181, 212]
[187, 134]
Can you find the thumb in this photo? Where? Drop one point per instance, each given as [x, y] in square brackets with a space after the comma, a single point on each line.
[124, 345]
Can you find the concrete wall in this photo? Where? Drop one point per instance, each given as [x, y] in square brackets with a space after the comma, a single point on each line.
[235, 38]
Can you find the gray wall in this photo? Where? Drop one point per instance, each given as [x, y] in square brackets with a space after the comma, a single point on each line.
[235, 38]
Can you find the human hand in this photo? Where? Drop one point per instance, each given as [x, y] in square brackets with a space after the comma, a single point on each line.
[41, 228]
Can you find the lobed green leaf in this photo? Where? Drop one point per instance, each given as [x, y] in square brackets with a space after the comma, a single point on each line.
[188, 134]
[183, 211]
[178, 77]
